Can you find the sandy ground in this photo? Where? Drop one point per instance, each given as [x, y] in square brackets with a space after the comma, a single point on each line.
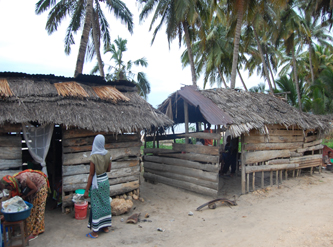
[297, 213]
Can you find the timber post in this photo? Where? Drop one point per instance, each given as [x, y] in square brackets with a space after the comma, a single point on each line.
[243, 165]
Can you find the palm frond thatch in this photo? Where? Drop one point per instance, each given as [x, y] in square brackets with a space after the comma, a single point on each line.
[72, 89]
[107, 92]
[77, 103]
[4, 88]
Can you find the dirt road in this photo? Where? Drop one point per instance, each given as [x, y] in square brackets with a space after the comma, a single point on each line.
[298, 213]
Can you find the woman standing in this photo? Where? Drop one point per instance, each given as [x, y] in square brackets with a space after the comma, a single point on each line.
[98, 183]
[32, 186]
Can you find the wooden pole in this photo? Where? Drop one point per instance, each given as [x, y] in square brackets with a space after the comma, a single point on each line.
[271, 178]
[145, 138]
[243, 166]
[262, 179]
[281, 176]
[253, 181]
[157, 136]
[186, 120]
[173, 132]
[277, 178]
[154, 138]
[247, 183]
[321, 152]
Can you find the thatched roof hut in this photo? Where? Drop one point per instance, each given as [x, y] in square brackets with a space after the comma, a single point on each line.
[247, 110]
[267, 135]
[73, 110]
[87, 102]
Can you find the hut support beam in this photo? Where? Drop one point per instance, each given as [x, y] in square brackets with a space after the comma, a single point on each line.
[262, 179]
[271, 178]
[243, 167]
[186, 120]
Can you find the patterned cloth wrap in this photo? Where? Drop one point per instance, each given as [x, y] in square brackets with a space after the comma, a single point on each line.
[11, 181]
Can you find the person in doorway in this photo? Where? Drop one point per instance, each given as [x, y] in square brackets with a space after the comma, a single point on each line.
[229, 157]
[98, 184]
[33, 186]
[208, 142]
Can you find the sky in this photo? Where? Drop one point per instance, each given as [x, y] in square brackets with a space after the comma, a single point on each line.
[25, 46]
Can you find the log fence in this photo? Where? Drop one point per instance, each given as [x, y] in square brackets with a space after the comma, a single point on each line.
[277, 152]
[125, 169]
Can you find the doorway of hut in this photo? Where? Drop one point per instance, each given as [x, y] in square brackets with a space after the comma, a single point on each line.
[230, 171]
[53, 165]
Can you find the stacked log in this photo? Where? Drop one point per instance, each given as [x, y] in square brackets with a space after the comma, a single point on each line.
[187, 166]
[280, 149]
[125, 169]
[10, 150]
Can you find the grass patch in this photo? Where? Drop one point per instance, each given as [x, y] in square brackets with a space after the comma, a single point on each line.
[328, 142]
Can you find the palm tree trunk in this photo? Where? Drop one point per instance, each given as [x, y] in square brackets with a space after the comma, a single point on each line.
[240, 3]
[190, 53]
[310, 62]
[96, 38]
[263, 61]
[240, 76]
[296, 80]
[270, 70]
[84, 39]
[222, 77]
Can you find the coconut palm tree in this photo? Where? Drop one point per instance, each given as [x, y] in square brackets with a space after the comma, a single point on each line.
[286, 84]
[259, 29]
[121, 70]
[179, 16]
[319, 8]
[90, 13]
[211, 53]
[289, 29]
[260, 88]
[322, 93]
[314, 32]
[240, 12]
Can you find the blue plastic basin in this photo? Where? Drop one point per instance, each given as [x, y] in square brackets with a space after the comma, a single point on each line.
[17, 216]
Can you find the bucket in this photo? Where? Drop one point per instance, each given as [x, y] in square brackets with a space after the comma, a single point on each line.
[81, 192]
[81, 210]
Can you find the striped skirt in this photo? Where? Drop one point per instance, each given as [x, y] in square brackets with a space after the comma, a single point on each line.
[100, 211]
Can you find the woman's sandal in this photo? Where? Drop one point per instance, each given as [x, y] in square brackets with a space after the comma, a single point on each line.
[89, 235]
[105, 230]
[32, 237]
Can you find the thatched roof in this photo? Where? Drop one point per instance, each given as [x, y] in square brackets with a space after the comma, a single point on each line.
[86, 102]
[246, 109]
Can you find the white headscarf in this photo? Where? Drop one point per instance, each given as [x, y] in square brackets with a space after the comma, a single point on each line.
[98, 145]
[98, 148]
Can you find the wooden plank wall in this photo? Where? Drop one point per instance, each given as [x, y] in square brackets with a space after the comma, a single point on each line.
[187, 166]
[281, 150]
[125, 169]
[10, 150]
